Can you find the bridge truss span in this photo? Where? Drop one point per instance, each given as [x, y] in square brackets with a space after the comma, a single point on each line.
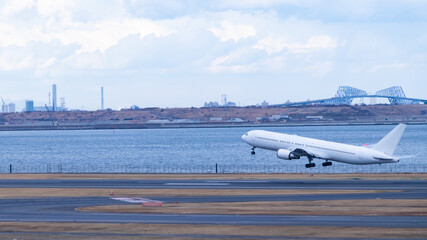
[346, 94]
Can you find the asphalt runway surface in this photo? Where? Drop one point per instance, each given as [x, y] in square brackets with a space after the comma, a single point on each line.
[216, 184]
[62, 209]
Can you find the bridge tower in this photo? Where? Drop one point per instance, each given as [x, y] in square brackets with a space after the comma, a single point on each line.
[395, 95]
[345, 95]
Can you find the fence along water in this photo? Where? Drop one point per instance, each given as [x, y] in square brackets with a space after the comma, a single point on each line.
[210, 168]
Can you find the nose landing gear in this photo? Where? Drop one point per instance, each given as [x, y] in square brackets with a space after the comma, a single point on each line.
[253, 151]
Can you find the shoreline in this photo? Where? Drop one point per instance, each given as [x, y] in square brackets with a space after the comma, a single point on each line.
[197, 125]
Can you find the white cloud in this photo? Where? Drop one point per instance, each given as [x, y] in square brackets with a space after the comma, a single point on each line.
[103, 35]
[387, 67]
[48, 8]
[247, 68]
[50, 62]
[250, 4]
[10, 63]
[229, 31]
[227, 44]
[320, 69]
[56, 20]
[274, 44]
[244, 55]
[12, 7]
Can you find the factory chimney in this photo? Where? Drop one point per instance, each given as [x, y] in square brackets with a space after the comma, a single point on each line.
[102, 98]
[54, 100]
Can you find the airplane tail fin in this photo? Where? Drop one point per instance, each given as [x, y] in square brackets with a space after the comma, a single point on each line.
[388, 144]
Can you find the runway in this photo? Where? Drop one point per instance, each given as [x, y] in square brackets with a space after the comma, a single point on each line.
[219, 184]
[62, 209]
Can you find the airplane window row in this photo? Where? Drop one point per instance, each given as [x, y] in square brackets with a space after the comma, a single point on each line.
[269, 139]
[332, 150]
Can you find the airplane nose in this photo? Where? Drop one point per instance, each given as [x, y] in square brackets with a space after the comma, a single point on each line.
[245, 137]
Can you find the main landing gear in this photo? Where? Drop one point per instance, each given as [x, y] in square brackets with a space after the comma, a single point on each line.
[325, 164]
[253, 151]
[310, 164]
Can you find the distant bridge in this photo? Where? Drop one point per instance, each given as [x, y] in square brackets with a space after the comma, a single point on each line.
[345, 96]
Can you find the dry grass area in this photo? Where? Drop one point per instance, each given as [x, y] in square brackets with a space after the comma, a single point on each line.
[385, 207]
[96, 192]
[246, 113]
[243, 176]
[181, 229]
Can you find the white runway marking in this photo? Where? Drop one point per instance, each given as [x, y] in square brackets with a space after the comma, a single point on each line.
[135, 200]
[197, 184]
[241, 181]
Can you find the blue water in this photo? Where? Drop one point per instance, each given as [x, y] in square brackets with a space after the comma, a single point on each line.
[108, 149]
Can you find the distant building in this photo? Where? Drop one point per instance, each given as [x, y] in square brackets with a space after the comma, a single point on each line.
[236, 120]
[29, 105]
[11, 108]
[44, 109]
[264, 104]
[211, 104]
[185, 121]
[230, 104]
[215, 119]
[161, 121]
[279, 117]
[224, 103]
[41, 109]
[8, 108]
[314, 117]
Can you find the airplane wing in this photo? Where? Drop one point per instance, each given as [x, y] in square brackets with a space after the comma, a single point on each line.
[309, 153]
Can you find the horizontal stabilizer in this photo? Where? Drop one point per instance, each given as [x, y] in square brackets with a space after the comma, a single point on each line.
[384, 159]
[389, 143]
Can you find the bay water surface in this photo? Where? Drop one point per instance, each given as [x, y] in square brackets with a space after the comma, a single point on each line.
[191, 150]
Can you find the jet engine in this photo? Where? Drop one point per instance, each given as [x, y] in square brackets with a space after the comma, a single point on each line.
[286, 154]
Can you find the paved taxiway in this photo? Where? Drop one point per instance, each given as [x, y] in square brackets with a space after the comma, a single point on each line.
[218, 184]
[61, 209]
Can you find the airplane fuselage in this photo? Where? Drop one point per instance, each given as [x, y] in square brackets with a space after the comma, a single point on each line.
[319, 148]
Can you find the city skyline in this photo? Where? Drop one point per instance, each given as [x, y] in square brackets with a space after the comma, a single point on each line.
[185, 53]
[346, 95]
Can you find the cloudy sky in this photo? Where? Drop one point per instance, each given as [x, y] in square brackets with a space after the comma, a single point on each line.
[182, 53]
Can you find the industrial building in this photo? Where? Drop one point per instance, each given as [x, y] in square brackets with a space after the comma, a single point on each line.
[8, 108]
[29, 105]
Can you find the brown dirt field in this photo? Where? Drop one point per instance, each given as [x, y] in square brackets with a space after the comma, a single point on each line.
[93, 192]
[384, 207]
[369, 176]
[246, 113]
[282, 231]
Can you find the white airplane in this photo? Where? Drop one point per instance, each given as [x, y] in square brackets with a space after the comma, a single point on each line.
[290, 147]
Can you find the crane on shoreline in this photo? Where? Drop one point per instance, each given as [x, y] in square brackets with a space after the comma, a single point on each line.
[54, 122]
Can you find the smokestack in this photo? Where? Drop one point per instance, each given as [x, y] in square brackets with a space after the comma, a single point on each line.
[102, 98]
[54, 102]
